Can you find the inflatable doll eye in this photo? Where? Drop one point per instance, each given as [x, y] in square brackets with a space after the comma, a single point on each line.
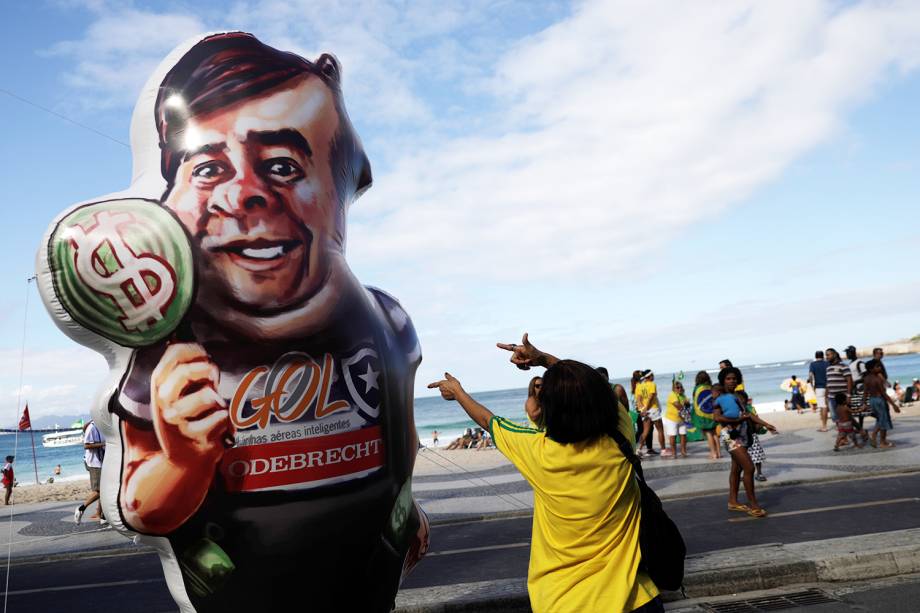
[282, 169]
[210, 172]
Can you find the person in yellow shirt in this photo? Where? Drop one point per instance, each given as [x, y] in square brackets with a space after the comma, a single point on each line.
[649, 411]
[674, 423]
[584, 552]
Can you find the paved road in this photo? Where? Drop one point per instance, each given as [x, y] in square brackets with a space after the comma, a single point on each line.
[132, 582]
[494, 549]
[499, 549]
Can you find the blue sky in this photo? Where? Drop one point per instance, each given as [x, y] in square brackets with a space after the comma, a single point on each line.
[637, 185]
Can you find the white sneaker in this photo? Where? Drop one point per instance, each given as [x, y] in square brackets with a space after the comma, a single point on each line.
[78, 515]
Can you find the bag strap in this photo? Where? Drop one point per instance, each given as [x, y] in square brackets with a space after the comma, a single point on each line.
[630, 455]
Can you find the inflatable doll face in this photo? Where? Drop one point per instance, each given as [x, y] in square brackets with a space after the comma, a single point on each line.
[255, 191]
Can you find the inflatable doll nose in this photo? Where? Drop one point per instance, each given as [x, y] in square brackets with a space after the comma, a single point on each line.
[242, 195]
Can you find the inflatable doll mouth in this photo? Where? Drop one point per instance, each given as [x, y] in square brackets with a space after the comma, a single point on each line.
[261, 254]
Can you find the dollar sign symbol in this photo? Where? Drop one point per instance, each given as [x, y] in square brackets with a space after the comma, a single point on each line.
[142, 286]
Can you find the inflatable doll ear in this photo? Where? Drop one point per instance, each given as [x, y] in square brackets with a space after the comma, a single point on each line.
[329, 67]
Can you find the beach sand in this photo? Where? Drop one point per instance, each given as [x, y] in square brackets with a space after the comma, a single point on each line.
[70, 490]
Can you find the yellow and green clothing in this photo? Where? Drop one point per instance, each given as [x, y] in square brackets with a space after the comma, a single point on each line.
[672, 412]
[702, 407]
[584, 552]
[644, 392]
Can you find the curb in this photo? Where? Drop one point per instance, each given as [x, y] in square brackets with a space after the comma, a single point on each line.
[448, 521]
[866, 556]
[107, 552]
[717, 573]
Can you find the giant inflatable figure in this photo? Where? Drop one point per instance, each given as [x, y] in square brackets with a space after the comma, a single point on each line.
[258, 413]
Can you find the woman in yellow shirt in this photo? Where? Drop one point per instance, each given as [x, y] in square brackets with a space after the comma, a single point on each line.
[584, 554]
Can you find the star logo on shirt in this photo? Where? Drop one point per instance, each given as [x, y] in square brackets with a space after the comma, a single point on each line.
[370, 379]
[364, 389]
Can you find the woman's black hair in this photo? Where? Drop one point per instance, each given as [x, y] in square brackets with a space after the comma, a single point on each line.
[578, 404]
[726, 371]
[636, 377]
[703, 377]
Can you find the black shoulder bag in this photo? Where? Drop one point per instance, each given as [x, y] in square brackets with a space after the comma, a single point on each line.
[662, 546]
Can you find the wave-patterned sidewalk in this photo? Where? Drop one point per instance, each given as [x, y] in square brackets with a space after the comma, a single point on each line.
[466, 484]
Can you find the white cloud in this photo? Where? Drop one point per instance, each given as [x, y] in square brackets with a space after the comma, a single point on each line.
[559, 157]
[617, 118]
[575, 136]
[119, 50]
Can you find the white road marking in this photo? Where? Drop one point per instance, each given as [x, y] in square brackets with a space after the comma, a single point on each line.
[450, 552]
[856, 505]
[65, 588]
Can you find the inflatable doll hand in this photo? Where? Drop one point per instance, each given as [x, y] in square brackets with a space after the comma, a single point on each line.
[189, 416]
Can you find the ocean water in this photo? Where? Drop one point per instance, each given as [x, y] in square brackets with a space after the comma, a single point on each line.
[19, 444]
[762, 382]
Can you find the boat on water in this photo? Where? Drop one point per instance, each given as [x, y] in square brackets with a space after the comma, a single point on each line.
[64, 438]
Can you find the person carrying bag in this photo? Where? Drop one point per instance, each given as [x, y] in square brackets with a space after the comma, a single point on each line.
[663, 548]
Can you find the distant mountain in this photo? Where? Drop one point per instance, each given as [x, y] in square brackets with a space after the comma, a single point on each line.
[47, 422]
[901, 347]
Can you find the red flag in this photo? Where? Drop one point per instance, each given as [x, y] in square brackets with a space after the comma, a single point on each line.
[25, 423]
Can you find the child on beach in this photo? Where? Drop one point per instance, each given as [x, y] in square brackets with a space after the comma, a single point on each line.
[8, 479]
[845, 427]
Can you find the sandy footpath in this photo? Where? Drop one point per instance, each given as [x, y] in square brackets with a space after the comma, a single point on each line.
[439, 461]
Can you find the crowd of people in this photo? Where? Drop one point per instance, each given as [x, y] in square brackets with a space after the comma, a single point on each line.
[471, 439]
[585, 544]
[673, 421]
[573, 451]
[722, 412]
[847, 393]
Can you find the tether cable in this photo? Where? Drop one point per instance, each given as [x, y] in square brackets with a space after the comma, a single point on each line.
[22, 361]
[64, 117]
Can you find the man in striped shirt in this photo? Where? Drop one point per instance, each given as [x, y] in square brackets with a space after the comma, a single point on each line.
[839, 379]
